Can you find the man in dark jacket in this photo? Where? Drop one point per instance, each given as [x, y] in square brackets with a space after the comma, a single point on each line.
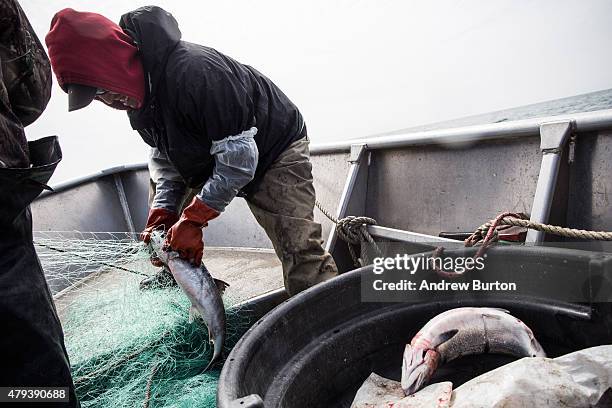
[32, 351]
[213, 124]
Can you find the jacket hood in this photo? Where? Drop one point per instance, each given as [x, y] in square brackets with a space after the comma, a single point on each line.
[89, 49]
[156, 34]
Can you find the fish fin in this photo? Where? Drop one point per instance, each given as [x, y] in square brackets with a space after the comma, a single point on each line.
[538, 351]
[499, 309]
[443, 337]
[493, 316]
[221, 285]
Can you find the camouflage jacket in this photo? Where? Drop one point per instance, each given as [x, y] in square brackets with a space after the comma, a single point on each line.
[25, 86]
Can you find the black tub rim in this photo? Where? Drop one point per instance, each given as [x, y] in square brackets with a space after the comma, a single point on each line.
[237, 361]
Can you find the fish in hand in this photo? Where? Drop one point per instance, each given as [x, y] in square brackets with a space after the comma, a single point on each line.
[203, 291]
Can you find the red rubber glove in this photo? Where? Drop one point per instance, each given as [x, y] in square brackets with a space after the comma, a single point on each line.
[185, 237]
[159, 219]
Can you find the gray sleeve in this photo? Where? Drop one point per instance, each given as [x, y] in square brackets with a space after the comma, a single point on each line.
[169, 185]
[236, 160]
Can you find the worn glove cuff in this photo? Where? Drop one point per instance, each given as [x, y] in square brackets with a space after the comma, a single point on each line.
[199, 213]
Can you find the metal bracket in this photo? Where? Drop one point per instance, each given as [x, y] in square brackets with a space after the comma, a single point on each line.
[127, 214]
[356, 152]
[554, 136]
[408, 236]
[352, 202]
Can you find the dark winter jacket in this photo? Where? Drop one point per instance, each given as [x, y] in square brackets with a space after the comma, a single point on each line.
[197, 95]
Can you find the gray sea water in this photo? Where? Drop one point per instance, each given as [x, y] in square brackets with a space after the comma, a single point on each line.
[580, 103]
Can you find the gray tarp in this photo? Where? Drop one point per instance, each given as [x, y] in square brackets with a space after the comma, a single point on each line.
[579, 379]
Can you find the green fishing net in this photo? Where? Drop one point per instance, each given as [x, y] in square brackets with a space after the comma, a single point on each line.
[129, 347]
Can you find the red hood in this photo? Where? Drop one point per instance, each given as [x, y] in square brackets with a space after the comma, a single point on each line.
[89, 49]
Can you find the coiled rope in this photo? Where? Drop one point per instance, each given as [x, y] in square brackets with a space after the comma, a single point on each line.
[520, 220]
[354, 231]
[487, 233]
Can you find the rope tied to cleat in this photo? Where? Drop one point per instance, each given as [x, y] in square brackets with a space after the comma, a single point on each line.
[520, 220]
[487, 234]
[354, 231]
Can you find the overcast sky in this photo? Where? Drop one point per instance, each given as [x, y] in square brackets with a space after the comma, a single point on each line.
[357, 68]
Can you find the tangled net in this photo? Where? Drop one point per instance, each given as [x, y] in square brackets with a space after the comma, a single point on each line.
[128, 347]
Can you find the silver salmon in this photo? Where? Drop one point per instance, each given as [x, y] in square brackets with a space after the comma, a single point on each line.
[460, 332]
[203, 291]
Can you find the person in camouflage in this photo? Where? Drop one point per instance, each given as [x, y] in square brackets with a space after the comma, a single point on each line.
[26, 83]
[32, 347]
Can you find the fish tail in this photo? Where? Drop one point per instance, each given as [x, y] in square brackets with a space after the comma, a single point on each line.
[221, 285]
[218, 348]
